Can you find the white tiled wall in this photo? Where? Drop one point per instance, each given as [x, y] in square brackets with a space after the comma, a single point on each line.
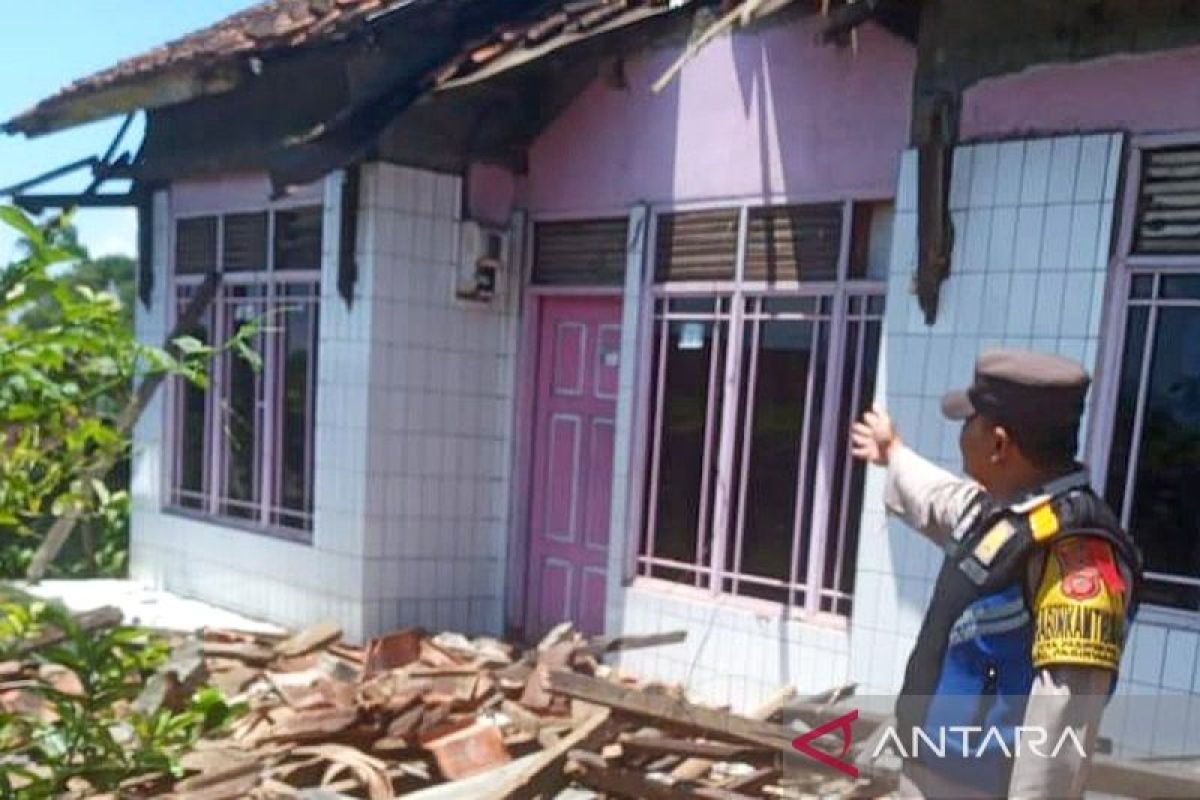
[439, 408]
[732, 654]
[414, 409]
[1032, 223]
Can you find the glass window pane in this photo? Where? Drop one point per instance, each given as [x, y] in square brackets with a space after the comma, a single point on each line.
[1141, 287]
[1165, 516]
[691, 359]
[298, 239]
[1180, 287]
[297, 404]
[790, 305]
[841, 551]
[779, 409]
[192, 432]
[244, 243]
[692, 305]
[242, 405]
[1127, 394]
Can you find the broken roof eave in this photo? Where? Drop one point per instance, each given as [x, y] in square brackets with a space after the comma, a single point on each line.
[518, 58]
[177, 85]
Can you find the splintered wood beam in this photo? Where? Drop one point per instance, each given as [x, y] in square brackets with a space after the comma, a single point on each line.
[673, 711]
[614, 644]
[545, 775]
[58, 172]
[695, 768]
[37, 203]
[666, 745]
[754, 782]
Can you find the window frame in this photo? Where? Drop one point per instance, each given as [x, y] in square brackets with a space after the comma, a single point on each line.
[1124, 266]
[736, 294]
[214, 474]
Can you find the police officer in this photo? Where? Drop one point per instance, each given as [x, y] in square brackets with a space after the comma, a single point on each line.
[1024, 632]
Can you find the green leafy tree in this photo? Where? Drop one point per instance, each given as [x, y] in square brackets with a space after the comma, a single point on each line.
[68, 360]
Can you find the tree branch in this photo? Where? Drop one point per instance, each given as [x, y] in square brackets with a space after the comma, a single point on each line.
[61, 530]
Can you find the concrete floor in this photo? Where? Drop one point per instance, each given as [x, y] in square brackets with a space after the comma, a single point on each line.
[143, 605]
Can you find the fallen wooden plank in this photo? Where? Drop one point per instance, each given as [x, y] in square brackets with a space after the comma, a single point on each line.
[749, 784]
[667, 745]
[676, 711]
[312, 638]
[248, 653]
[94, 620]
[479, 787]
[544, 776]
[695, 768]
[613, 644]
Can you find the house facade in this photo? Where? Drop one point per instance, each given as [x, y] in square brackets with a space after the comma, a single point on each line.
[638, 419]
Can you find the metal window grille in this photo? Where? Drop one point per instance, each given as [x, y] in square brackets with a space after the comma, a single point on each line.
[1154, 462]
[755, 382]
[243, 446]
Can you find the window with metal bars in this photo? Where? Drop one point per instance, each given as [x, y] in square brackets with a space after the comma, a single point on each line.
[1154, 463]
[242, 448]
[765, 345]
[1152, 433]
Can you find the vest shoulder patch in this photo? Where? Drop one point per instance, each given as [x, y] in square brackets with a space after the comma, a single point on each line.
[1079, 608]
[1043, 522]
[991, 542]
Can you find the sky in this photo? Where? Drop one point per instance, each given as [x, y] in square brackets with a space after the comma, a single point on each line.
[45, 47]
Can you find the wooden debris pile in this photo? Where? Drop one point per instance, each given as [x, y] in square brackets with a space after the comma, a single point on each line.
[408, 711]
[446, 716]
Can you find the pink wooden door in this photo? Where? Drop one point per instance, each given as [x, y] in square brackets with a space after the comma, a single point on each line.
[578, 347]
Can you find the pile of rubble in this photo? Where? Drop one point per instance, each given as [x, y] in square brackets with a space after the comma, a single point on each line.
[444, 716]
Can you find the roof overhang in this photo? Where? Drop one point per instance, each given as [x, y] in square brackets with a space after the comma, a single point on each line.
[172, 86]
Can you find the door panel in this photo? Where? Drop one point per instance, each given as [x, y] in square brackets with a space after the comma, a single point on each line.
[577, 358]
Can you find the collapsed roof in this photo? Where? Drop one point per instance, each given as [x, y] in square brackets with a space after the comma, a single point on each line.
[302, 87]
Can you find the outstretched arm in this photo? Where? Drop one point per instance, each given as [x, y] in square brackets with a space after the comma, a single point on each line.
[924, 495]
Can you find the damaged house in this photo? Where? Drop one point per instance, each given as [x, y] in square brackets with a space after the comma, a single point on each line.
[573, 304]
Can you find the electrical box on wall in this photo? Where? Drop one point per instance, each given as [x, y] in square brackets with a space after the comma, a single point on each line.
[482, 255]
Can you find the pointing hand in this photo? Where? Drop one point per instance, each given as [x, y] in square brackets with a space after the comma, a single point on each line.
[873, 437]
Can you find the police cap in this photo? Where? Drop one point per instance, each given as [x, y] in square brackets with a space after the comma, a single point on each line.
[1024, 389]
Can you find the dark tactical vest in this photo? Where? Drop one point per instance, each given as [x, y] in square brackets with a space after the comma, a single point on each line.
[972, 663]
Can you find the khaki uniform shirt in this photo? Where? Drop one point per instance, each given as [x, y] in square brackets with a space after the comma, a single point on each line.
[931, 500]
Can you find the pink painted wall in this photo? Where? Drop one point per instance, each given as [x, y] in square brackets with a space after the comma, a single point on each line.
[491, 193]
[1144, 93]
[764, 114]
